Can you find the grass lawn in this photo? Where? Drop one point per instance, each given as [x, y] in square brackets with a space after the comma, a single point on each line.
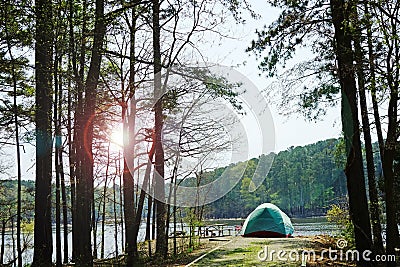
[246, 252]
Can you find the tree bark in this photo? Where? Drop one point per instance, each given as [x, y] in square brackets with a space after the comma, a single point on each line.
[13, 239]
[72, 164]
[64, 207]
[115, 219]
[161, 245]
[391, 76]
[103, 221]
[94, 224]
[121, 211]
[372, 187]
[371, 63]
[128, 190]
[57, 138]
[84, 175]
[3, 234]
[129, 147]
[146, 182]
[60, 168]
[148, 220]
[18, 152]
[43, 64]
[72, 68]
[350, 124]
[392, 232]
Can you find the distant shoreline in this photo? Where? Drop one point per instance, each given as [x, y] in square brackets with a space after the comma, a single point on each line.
[321, 217]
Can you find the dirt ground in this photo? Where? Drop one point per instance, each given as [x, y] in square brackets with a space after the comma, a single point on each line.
[240, 251]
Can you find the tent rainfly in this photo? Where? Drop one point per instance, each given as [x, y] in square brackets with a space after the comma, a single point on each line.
[267, 220]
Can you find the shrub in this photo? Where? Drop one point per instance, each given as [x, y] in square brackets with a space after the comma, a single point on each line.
[340, 216]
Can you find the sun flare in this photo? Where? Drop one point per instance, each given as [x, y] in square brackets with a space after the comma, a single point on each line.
[117, 137]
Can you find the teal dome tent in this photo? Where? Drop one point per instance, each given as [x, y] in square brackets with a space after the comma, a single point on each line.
[267, 220]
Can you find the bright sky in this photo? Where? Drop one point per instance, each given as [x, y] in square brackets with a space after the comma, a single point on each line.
[289, 130]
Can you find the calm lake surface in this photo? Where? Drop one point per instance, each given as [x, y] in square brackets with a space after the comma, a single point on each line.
[302, 227]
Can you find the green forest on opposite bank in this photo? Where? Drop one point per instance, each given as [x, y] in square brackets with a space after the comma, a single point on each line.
[303, 181]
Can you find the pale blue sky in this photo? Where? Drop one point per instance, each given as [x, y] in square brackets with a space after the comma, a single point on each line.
[292, 130]
[289, 130]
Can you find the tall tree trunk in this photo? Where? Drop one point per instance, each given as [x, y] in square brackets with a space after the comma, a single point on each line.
[129, 205]
[82, 246]
[19, 204]
[115, 219]
[72, 161]
[371, 61]
[172, 194]
[57, 137]
[43, 74]
[84, 185]
[3, 234]
[354, 166]
[121, 211]
[61, 172]
[153, 220]
[94, 226]
[148, 220]
[146, 182]
[174, 213]
[372, 187]
[161, 248]
[392, 232]
[64, 207]
[104, 204]
[129, 147]
[18, 152]
[13, 240]
[392, 80]
[72, 69]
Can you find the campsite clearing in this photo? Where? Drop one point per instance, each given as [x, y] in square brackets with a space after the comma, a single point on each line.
[240, 251]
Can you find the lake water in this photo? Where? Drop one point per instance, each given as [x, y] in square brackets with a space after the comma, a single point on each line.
[302, 227]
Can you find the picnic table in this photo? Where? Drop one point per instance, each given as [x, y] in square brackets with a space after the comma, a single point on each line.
[178, 234]
[214, 230]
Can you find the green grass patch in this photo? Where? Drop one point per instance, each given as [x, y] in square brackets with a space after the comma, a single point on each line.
[247, 256]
